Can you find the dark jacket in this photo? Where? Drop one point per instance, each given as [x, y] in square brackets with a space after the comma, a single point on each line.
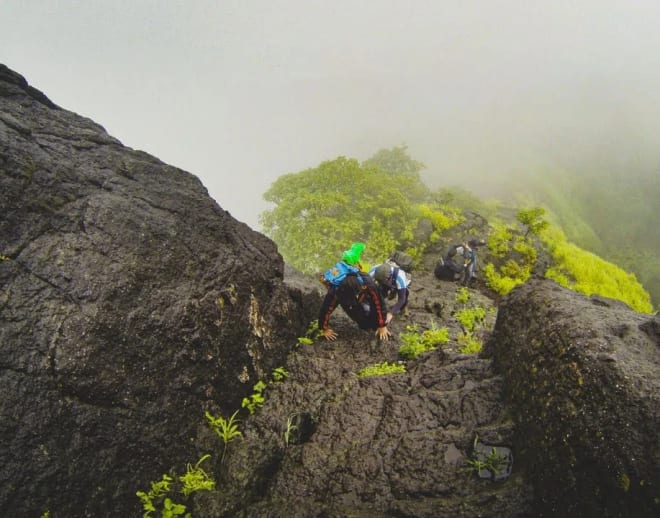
[361, 301]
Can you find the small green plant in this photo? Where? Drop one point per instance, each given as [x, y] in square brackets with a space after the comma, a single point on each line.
[157, 495]
[226, 429]
[196, 479]
[468, 344]
[415, 343]
[171, 508]
[256, 400]
[381, 369]
[45, 515]
[313, 332]
[462, 295]
[291, 427]
[469, 318]
[279, 374]
[493, 462]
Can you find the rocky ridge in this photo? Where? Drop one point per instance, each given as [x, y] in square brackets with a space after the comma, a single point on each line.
[131, 304]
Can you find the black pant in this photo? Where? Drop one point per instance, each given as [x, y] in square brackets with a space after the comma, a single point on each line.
[360, 309]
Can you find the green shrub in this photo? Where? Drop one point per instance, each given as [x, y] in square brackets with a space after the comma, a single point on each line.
[468, 344]
[509, 276]
[498, 240]
[381, 369]
[527, 251]
[517, 268]
[416, 343]
[441, 217]
[469, 318]
[462, 295]
[533, 219]
[586, 273]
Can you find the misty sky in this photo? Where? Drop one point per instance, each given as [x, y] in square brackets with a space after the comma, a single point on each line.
[239, 92]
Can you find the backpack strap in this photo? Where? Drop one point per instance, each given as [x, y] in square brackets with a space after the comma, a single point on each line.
[395, 275]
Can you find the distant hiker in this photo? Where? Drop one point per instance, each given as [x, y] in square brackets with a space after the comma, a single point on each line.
[459, 262]
[392, 281]
[470, 255]
[451, 265]
[357, 294]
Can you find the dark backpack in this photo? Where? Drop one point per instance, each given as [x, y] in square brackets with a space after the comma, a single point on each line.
[451, 251]
[402, 260]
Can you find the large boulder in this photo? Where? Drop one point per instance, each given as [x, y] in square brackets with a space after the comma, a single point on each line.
[130, 303]
[582, 377]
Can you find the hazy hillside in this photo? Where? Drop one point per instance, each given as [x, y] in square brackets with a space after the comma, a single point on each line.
[608, 211]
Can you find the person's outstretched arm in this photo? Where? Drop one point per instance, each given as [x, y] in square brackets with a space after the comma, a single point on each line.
[327, 307]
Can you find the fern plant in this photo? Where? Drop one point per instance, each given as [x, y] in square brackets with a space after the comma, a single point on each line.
[226, 429]
[158, 499]
[196, 479]
[493, 462]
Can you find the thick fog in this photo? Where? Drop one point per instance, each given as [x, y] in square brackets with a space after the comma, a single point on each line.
[239, 92]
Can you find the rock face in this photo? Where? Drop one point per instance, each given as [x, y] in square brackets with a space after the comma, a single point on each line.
[130, 303]
[583, 381]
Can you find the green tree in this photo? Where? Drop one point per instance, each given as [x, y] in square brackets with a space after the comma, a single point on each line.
[319, 212]
[396, 162]
[533, 219]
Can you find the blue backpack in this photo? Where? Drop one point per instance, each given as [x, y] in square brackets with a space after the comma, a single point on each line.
[336, 275]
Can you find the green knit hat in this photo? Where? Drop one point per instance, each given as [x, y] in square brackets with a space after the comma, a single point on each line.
[352, 255]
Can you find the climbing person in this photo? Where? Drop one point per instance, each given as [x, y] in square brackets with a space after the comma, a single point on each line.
[470, 254]
[354, 290]
[451, 265]
[392, 281]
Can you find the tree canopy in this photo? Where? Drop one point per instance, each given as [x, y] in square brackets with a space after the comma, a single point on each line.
[319, 212]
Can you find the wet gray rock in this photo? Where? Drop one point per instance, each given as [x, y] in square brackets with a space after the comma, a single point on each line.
[583, 381]
[130, 303]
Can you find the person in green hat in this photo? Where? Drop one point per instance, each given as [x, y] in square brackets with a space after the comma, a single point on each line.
[356, 293]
